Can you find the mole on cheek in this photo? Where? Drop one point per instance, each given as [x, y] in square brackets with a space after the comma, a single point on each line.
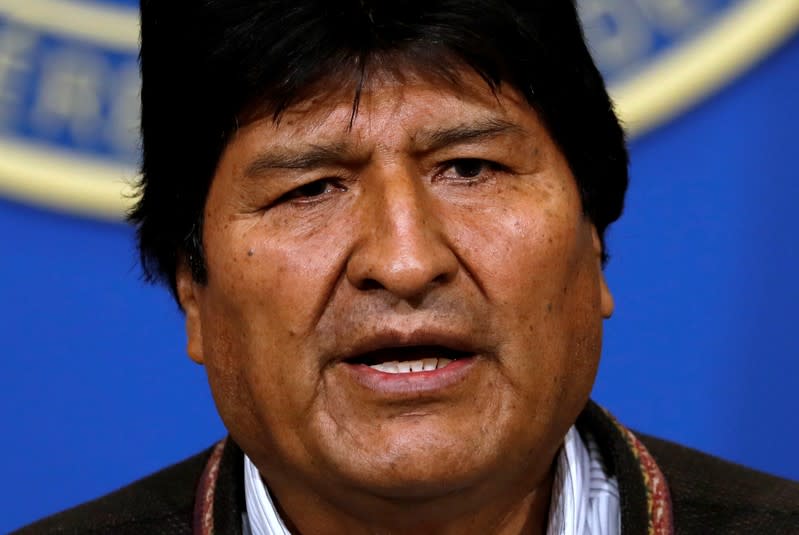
[250, 252]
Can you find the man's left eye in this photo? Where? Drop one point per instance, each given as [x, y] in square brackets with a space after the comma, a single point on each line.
[468, 168]
[310, 191]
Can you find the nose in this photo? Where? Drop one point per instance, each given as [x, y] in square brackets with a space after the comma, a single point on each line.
[402, 248]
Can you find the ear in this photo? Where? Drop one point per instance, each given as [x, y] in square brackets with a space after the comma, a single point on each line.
[606, 304]
[187, 290]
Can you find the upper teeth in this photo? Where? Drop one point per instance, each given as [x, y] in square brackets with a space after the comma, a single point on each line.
[410, 366]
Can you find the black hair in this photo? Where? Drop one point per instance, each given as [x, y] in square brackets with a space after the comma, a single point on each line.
[205, 63]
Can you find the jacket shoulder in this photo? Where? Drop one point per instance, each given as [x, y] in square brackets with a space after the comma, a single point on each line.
[162, 502]
[709, 493]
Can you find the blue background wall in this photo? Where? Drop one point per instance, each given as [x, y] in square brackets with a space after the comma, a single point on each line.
[96, 390]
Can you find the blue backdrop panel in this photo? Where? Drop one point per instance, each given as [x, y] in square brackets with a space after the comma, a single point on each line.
[97, 390]
[703, 346]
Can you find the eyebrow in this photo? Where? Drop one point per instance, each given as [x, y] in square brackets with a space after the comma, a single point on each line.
[428, 140]
[308, 157]
[473, 131]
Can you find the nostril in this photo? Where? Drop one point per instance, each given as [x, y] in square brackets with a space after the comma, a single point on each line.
[442, 278]
[410, 283]
[370, 284]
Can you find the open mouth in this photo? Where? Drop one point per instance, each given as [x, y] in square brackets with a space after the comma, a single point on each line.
[412, 359]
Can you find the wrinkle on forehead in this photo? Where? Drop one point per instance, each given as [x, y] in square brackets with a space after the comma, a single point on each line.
[470, 100]
[389, 70]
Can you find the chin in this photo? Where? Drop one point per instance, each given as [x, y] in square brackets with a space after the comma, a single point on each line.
[418, 483]
[416, 467]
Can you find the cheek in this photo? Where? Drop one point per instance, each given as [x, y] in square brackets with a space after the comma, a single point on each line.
[253, 360]
[270, 281]
[521, 253]
[257, 310]
[538, 268]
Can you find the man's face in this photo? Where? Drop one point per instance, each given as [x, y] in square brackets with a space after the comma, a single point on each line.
[441, 223]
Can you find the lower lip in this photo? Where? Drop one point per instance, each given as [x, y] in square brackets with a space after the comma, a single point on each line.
[411, 383]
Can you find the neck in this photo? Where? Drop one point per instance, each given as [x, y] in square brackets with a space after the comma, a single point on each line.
[502, 508]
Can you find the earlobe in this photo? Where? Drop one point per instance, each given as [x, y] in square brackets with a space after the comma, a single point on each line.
[188, 298]
[606, 304]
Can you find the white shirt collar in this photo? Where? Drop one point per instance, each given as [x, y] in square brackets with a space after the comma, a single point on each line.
[585, 500]
[262, 517]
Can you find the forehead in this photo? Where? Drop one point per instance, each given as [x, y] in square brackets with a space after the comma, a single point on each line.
[392, 105]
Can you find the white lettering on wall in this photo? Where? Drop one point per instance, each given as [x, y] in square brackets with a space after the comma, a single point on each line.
[624, 33]
[616, 32]
[69, 95]
[16, 58]
[674, 16]
[122, 128]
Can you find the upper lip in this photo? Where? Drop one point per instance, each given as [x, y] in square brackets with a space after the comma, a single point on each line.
[391, 339]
